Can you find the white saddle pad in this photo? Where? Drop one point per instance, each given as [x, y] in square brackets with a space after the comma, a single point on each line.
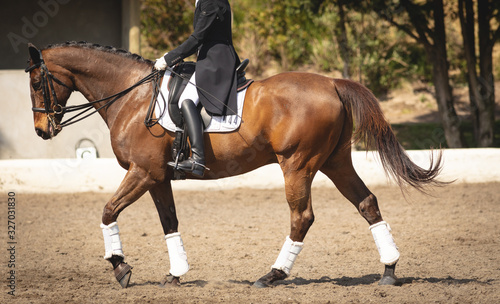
[217, 123]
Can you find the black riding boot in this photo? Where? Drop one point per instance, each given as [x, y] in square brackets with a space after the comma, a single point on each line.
[196, 163]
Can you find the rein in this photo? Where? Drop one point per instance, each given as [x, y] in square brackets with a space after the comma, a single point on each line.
[111, 99]
[47, 84]
[149, 121]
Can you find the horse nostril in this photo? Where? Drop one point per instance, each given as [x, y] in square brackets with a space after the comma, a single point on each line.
[42, 133]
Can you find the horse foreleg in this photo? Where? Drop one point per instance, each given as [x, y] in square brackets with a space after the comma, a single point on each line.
[298, 195]
[133, 186]
[164, 202]
[347, 181]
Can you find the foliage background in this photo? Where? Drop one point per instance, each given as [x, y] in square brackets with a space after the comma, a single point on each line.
[283, 35]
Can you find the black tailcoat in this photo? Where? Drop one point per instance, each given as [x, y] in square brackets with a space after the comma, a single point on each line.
[217, 60]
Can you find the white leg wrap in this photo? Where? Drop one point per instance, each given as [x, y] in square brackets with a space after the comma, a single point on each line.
[387, 249]
[112, 242]
[288, 255]
[178, 257]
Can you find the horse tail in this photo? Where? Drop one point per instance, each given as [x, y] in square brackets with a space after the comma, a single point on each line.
[372, 127]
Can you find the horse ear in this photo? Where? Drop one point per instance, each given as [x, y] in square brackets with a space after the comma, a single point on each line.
[35, 54]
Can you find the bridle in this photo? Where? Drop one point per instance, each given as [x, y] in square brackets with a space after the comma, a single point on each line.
[47, 84]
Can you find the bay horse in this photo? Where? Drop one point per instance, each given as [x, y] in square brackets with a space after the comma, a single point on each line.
[303, 121]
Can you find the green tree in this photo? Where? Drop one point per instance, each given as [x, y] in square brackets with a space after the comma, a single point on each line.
[367, 48]
[424, 22]
[165, 24]
[286, 27]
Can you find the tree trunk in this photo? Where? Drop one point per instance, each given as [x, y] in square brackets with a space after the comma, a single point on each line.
[437, 55]
[466, 15]
[481, 89]
[486, 104]
[341, 34]
[444, 97]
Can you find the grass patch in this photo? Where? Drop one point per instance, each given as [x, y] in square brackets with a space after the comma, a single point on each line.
[420, 136]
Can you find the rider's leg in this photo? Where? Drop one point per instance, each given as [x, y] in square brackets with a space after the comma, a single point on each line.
[194, 127]
[190, 92]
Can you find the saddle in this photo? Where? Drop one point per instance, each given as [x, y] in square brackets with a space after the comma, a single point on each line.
[179, 80]
[176, 85]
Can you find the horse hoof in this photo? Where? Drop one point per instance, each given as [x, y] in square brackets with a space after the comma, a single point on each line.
[125, 280]
[270, 278]
[123, 272]
[170, 280]
[388, 280]
[259, 284]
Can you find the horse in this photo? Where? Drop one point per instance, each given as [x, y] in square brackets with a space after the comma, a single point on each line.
[305, 122]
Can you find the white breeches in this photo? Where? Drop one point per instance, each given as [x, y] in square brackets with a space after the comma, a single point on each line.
[178, 257]
[190, 92]
[112, 242]
[389, 254]
[288, 255]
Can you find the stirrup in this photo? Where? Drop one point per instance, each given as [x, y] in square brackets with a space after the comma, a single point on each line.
[195, 163]
[197, 168]
[194, 170]
[175, 165]
[178, 174]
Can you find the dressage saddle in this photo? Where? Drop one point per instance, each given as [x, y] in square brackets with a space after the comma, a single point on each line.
[176, 85]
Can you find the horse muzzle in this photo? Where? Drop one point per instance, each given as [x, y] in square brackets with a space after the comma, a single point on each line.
[43, 134]
[48, 128]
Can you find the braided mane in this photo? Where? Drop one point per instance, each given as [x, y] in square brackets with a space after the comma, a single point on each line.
[98, 47]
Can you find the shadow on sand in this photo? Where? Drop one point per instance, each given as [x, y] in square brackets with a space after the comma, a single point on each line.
[343, 281]
[368, 280]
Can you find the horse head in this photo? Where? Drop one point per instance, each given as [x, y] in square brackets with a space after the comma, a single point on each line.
[50, 89]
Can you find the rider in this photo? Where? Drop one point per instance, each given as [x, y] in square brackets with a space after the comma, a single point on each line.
[215, 74]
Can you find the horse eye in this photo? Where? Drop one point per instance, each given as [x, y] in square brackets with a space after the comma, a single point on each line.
[36, 85]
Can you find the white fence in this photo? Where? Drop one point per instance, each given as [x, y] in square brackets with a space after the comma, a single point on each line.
[104, 175]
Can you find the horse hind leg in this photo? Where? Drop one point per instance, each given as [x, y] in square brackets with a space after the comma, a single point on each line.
[340, 170]
[298, 195]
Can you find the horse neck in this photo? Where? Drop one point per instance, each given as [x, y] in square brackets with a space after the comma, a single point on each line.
[98, 74]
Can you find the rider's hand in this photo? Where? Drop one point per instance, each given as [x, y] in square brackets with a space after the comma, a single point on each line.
[160, 64]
